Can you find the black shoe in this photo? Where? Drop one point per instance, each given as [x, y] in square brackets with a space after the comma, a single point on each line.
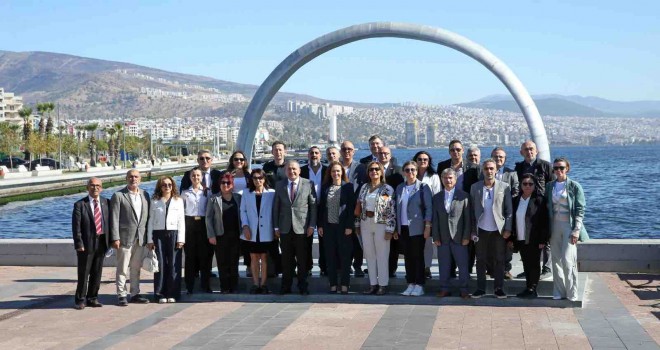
[366, 271]
[358, 273]
[545, 270]
[255, 289]
[122, 301]
[189, 291]
[284, 291]
[79, 306]
[453, 274]
[138, 299]
[272, 275]
[427, 272]
[94, 303]
[264, 289]
[382, 290]
[208, 290]
[393, 275]
[521, 275]
[527, 294]
[371, 291]
[500, 294]
[478, 294]
[304, 291]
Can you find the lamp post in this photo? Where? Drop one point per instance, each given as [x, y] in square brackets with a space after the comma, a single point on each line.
[59, 127]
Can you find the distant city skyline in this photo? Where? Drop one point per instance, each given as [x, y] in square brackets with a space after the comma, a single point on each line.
[591, 48]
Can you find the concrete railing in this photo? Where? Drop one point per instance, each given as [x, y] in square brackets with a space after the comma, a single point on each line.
[597, 255]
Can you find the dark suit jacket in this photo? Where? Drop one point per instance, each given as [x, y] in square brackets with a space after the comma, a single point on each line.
[346, 207]
[304, 173]
[456, 224]
[83, 226]
[536, 221]
[542, 171]
[369, 158]
[299, 215]
[357, 174]
[470, 173]
[215, 181]
[393, 175]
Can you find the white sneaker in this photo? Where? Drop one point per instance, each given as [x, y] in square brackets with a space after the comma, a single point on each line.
[408, 290]
[418, 291]
[556, 297]
[162, 301]
[171, 300]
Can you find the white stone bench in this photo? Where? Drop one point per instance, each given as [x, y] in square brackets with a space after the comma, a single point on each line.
[12, 173]
[41, 170]
[95, 169]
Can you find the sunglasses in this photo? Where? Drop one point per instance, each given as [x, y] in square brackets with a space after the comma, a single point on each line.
[374, 169]
[225, 183]
[204, 158]
[559, 168]
[410, 170]
[456, 149]
[166, 185]
[257, 177]
[239, 159]
[528, 184]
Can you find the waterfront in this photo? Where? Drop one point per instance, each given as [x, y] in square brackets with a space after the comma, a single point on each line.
[618, 205]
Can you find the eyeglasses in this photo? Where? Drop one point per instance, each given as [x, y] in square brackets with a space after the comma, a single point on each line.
[562, 168]
[422, 159]
[346, 149]
[410, 170]
[239, 159]
[528, 184]
[204, 158]
[225, 183]
[257, 177]
[456, 149]
[166, 185]
[374, 169]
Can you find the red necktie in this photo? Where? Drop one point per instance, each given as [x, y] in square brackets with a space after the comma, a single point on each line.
[97, 218]
[293, 191]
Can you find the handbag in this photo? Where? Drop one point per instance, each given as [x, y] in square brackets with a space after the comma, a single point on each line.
[150, 262]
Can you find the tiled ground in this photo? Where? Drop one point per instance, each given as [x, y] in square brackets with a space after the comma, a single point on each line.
[36, 313]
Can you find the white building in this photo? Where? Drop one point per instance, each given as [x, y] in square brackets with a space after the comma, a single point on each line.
[9, 107]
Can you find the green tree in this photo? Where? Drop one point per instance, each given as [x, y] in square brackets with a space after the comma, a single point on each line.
[9, 133]
[91, 128]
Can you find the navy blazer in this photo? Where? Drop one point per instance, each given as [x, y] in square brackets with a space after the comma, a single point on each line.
[83, 227]
[536, 220]
[346, 206]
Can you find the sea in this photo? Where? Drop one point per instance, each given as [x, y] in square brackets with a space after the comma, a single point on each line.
[621, 185]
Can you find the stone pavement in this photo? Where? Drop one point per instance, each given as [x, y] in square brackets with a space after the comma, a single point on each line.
[619, 311]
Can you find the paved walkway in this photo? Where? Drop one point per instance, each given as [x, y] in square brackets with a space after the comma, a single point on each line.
[620, 311]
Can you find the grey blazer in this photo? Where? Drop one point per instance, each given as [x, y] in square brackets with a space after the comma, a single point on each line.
[456, 224]
[419, 207]
[502, 208]
[125, 226]
[214, 224]
[510, 177]
[297, 216]
[356, 174]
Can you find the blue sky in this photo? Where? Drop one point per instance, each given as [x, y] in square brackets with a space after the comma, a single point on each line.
[608, 49]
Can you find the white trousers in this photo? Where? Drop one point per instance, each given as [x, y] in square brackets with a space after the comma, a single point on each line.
[377, 252]
[564, 261]
[129, 258]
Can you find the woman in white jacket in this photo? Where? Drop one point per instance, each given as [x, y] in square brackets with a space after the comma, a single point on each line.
[166, 234]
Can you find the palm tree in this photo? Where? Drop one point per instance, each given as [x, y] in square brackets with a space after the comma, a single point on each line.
[41, 109]
[25, 113]
[50, 106]
[92, 142]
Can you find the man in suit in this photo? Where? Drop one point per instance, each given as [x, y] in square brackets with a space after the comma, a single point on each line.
[294, 219]
[542, 171]
[91, 232]
[375, 144]
[356, 173]
[210, 177]
[129, 208]
[490, 202]
[451, 232]
[393, 177]
[315, 172]
[510, 177]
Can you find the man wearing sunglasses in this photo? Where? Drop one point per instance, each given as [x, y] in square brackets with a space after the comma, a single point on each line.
[466, 174]
[210, 177]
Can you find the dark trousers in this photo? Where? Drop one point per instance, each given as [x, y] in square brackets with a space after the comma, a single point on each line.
[546, 255]
[491, 246]
[199, 254]
[472, 257]
[448, 252]
[413, 250]
[294, 255]
[338, 250]
[393, 260]
[226, 257]
[274, 256]
[531, 259]
[358, 254]
[90, 266]
[310, 259]
[167, 281]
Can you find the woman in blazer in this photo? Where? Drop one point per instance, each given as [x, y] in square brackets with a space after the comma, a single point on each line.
[335, 225]
[566, 207]
[414, 215]
[426, 174]
[166, 234]
[530, 232]
[223, 229]
[375, 222]
[257, 231]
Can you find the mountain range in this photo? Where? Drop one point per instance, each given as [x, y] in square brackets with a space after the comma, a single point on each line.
[93, 88]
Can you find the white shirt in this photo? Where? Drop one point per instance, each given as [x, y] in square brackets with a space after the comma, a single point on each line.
[207, 178]
[316, 179]
[240, 183]
[487, 219]
[371, 199]
[194, 202]
[136, 200]
[449, 196]
[405, 195]
[520, 218]
[91, 205]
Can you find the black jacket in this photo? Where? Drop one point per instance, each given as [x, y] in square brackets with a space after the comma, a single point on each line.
[346, 204]
[215, 181]
[536, 220]
[83, 227]
[542, 171]
[274, 173]
[470, 173]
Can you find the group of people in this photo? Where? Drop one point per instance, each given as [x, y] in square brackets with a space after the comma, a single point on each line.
[368, 209]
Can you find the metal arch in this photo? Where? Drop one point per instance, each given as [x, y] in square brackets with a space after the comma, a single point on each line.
[341, 37]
